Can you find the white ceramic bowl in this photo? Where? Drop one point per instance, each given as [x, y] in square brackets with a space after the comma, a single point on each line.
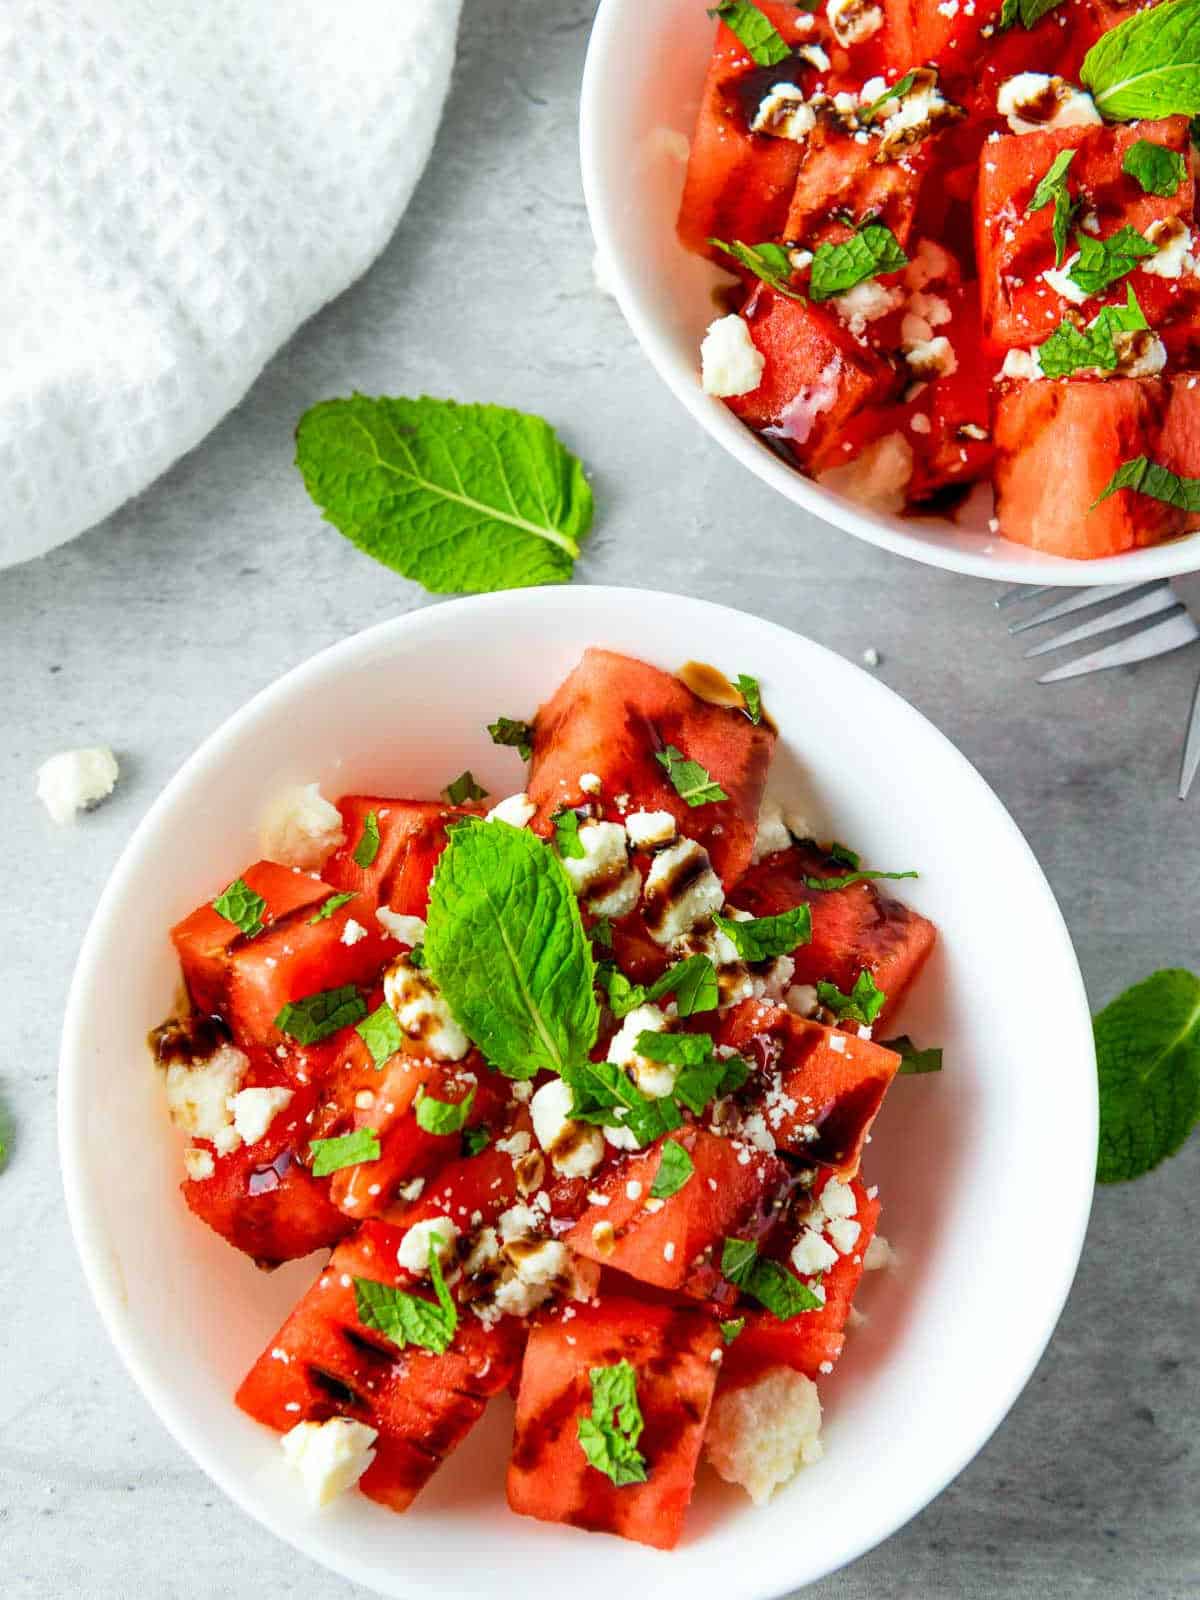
[962, 1159]
[641, 90]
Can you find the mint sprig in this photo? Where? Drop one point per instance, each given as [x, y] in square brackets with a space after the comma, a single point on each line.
[770, 263]
[867, 254]
[346, 1150]
[381, 1033]
[688, 778]
[1027, 12]
[239, 904]
[693, 982]
[367, 847]
[1154, 168]
[675, 1167]
[764, 44]
[444, 1116]
[1072, 349]
[1148, 1060]
[609, 1437]
[464, 789]
[328, 907]
[846, 879]
[751, 694]
[316, 1016]
[463, 498]
[773, 1286]
[566, 835]
[516, 735]
[1149, 65]
[912, 1059]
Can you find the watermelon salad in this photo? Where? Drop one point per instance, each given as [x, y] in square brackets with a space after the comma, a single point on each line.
[965, 242]
[573, 1089]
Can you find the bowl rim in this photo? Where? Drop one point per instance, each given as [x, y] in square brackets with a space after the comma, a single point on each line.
[1012, 563]
[92, 1246]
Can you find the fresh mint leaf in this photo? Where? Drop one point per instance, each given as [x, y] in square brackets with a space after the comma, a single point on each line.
[346, 1150]
[771, 263]
[367, 847]
[566, 835]
[1154, 168]
[623, 996]
[444, 1116]
[828, 885]
[1149, 65]
[844, 854]
[913, 1060]
[773, 1286]
[609, 1437]
[1053, 189]
[601, 932]
[464, 789]
[675, 1049]
[1103, 262]
[751, 694]
[764, 44]
[693, 982]
[764, 938]
[460, 497]
[605, 1094]
[506, 945]
[1143, 476]
[731, 1328]
[863, 1003]
[1148, 1060]
[239, 904]
[409, 1318]
[688, 778]
[475, 1140]
[334, 903]
[314, 1018]
[381, 1033]
[698, 1085]
[1027, 12]
[898, 90]
[1072, 349]
[516, 735]
[873, 250]
[675, 1167]
[416, 956]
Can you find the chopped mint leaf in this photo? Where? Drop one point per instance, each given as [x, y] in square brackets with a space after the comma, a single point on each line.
[367, 847]
[771, 263]
[517, 735]
[334, 903]
[863, 1003]
[693, 982]
[1147, 66]
[1053, 189]
[566, 835]
[623, 996]
[843, 853]
[751, 695]
[764, 938]
[773, 1286]
[675, 1167]
[601, 932]
[506, 945]
[898, 90]
[409, 1318]
[314, 1018]
[1026, 12]
[1103, 262]
[676, 1049]
[688, 778]
[1148, 1061]
[240, 905]
[857, 876]
[381, 1033]
[609, 1437]
[475, 1140]
[605, 1094]
[1143, 476]
[463, 789]
[873, 250]
[731, 1328]
[1154, 168]
[444, 1116]
[697, 1085]
[347, 1150]
[1071, 349]
[765, 46]
[459, 497]
[913, 1060]
[416, 956]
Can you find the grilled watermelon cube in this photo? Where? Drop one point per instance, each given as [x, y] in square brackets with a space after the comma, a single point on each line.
[324, 1363]
[672, 1352]
[1057, 447]
[839, 175]
[1179, 446]
[612, 716]
[412, 835]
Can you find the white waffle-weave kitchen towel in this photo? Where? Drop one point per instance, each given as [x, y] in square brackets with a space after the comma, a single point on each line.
[183, 183]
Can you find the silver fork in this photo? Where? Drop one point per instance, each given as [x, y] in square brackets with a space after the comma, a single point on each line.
[1160, 616]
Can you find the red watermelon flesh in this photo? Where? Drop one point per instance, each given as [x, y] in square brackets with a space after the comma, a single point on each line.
[1179, 446]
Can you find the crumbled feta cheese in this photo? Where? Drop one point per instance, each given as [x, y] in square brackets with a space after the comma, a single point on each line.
[517, 1144]
[877, 477]
[75, 780]
[198, 1163]
[590, 782]
[1034, 102]
[844, 1232]
[914, 114]
[301, 828]
[681, 890]
[772, 833]
[929, 263]
[1060, 280]
[329, 1456]
[653, 1078]
[1140, 353]
[802, 999]
[871, 91]
[421, 1011]
[199, 1095]
[254, 1110]
[760, 1435]
[516, 810]
[919, 423]
[866, 302]
[879, 1254]
[353, 932]
[1172, 239]
[853, 21]
[1023, 365]
[815, 55]
[931, 308]
[602, 876]
[730, 362]
[837, 1199]
[575, 1149]
[437, 1233]
[932, 358]
[620, 1138]
[518, 1222]
[785, 114]
[812, 1253]
[409, 930]
[647, 829]
[633, 1190]
[484, 1252]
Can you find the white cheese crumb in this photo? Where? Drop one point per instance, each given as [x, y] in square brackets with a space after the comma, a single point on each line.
[760, 1435]
[353, 932]
[865, 303]
[1172, 241]
[516, 810]
[1059, 279]
[812, 1253]
[802, 999]
[590, 782]
[199, 1095]
[730, 361]
[877, 477]
[329, 1456]
[1034, 102]
[198, 1163]
[879, 1254]
[75, 780]
[421, 1011]
[438, 1233]
[575, 1148]
[932, 358]
[772, 833]
[301, 828]
[670, 913]
[647, 829]
[602, 876]
[785, 114]
[844, 1232]
[409, 930]
[1023, 365]
[654, 1078]
[254, 1110]
[853, 21]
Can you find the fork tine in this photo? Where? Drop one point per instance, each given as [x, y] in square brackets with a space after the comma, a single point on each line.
[1169, 634]
[1162, 598]
[1023, 591]
[1079, 601]
[1191, 749]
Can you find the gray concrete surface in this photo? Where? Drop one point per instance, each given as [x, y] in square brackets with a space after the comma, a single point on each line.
[149, 630]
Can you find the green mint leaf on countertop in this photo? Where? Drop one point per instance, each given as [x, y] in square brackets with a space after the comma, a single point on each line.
[912, 1059]
[464, 789]
[462, 498]
[773, 1286]
[444, 1116]
[867, 254]
[1143, 476]
[506, 945]
[314, 1018]
[346, 1150]
[566, 835]
[1149, 65]
[771, 263]
[367, 847]
[675, 1167]
[688, 778]
[1154, 168]
[381, 1033]
[764, 44]
[515, 735]
[1148, 1062]
[1103, 262]
[408, 1318]
[1053, 189]
[751, 694]
[334, 903]
[764, 938]
[863, 1004]
[1072, 349]
[240, 905]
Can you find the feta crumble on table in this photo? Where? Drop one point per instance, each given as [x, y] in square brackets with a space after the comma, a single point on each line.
[75, 780]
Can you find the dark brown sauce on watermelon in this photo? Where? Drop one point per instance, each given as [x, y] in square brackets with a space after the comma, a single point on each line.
[187, 1039]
